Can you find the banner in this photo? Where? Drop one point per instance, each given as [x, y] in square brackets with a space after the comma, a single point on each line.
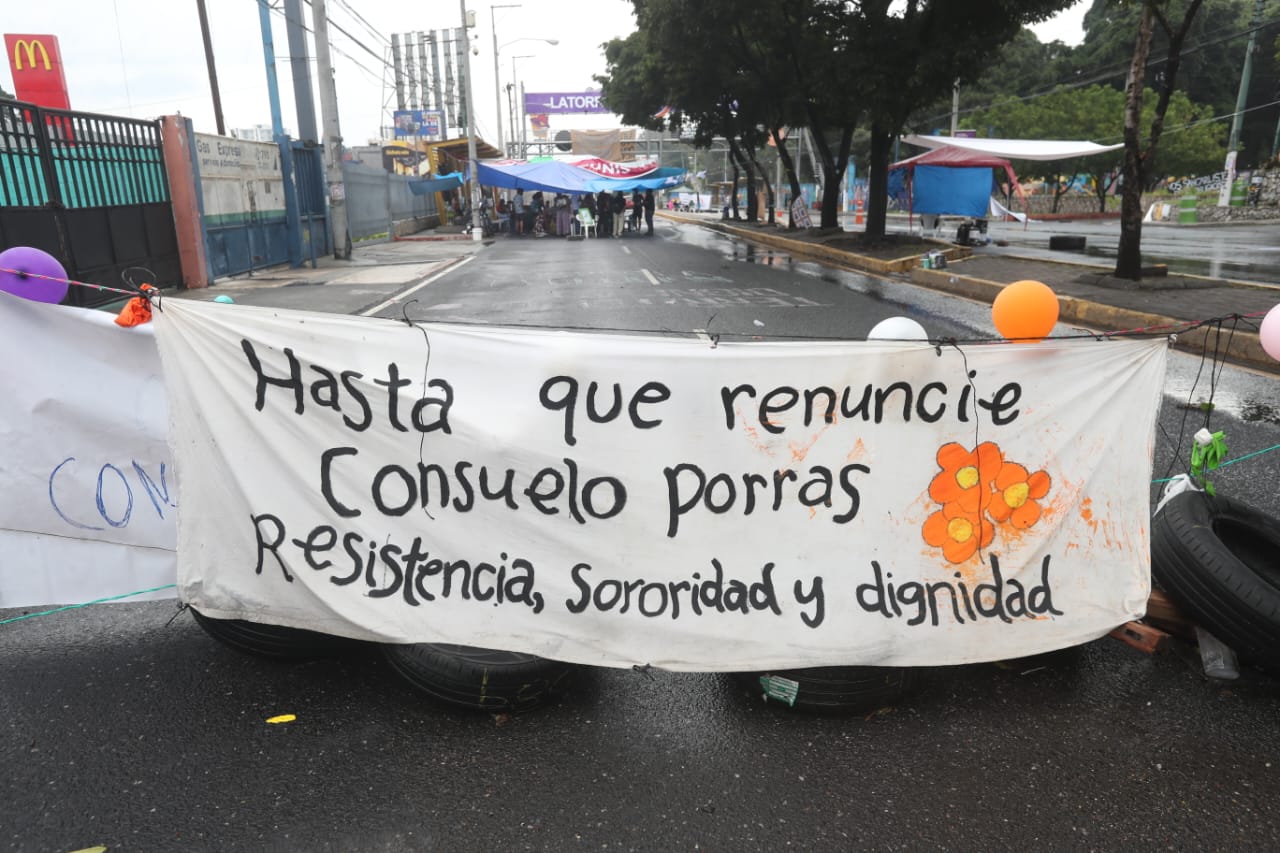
[563, 102]
[626, 499]
[415, 123]
[90, 497]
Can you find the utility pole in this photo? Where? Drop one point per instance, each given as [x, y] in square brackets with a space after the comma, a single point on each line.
[213, 72]
[1242, 97]
[1246, 73]
[304, 104]
[955, 107]
[473, 172]
[332, 133]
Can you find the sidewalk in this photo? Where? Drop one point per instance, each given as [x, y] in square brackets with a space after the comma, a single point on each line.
[375, 273]
[1088, 295]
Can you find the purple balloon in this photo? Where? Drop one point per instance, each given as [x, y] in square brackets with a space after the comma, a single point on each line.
[26, 263]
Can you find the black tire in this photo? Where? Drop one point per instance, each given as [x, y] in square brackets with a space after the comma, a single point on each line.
[835, 689]
[1220, 560]
[478, 679]
[273, 641]
[1067, 243]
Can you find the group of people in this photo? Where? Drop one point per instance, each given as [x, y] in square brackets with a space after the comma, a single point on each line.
[561, 216]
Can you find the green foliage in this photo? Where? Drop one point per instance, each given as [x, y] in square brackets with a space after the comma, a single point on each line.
[1190, 145]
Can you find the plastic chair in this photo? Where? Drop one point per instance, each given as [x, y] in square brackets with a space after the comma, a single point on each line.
[587, 221]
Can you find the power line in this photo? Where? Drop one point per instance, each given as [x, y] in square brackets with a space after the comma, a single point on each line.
[368, 26]
[1107, 72]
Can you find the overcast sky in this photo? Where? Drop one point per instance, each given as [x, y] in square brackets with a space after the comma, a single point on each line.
[145, 58]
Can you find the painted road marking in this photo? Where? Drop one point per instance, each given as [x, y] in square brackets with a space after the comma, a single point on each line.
[625, 249]
[649, 276]
[399, 296]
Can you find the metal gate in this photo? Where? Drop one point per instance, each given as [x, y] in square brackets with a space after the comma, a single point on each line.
[313, 220]
[91, 190]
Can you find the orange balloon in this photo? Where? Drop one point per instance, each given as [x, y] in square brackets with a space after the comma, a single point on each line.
[1025, 310]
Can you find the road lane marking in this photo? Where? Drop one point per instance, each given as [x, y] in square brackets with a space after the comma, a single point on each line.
[625, 249]
[428, 280]
[649, 276]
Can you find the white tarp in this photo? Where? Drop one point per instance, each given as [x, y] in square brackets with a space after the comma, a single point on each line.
[1016, 149]
[89, 498]
[625, 499]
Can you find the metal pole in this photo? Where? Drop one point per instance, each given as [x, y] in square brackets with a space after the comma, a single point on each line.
[332, 133]
[477, 232]
[269, 54]
[398, 70]
[213, 72]
[524, 121]
[304, 104]
[1243, 95]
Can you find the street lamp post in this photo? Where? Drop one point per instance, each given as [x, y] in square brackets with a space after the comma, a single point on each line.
[518, 135]
[497, 86]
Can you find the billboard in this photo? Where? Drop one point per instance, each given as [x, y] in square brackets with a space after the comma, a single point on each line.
[36, 64]
[417, 122]
[544, 103]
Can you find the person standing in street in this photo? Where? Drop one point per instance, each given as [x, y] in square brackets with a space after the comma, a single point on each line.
[604, 214]
[619, 213]
[648, 212]
[518, 218]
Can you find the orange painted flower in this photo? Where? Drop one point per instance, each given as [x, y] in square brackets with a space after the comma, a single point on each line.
[966, 475]
[958, 533]
[1017, 494]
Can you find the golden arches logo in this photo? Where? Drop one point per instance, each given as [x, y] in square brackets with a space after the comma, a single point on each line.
[29, 48]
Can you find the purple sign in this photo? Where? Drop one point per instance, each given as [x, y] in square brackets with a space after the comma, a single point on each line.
[542, 103]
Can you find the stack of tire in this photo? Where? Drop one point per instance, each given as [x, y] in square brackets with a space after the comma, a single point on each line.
[460, 676]
[1219, 559]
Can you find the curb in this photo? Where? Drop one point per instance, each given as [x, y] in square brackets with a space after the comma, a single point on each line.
[836, 256]
[1241, 346]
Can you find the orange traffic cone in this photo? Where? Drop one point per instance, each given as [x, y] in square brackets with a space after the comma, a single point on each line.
[858, 217]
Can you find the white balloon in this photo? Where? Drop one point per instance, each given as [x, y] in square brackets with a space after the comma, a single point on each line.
[898, 329]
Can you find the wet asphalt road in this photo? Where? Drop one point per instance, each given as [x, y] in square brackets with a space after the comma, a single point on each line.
[119, 729]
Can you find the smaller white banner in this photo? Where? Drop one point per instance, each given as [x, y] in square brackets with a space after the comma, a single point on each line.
[90, 498]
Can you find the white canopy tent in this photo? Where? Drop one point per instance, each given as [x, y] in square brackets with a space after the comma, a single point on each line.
[1016, 149]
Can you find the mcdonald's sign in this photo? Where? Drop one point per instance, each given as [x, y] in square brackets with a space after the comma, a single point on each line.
[36, 64]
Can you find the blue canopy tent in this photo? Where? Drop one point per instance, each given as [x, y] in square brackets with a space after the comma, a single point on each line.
[948, 181]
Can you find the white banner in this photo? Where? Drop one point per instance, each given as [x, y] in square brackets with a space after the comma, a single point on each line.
[624, 499]
[89, 494]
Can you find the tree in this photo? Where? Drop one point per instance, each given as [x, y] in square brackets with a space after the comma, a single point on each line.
[1139, 153]
[911, 54]
[716, 91]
